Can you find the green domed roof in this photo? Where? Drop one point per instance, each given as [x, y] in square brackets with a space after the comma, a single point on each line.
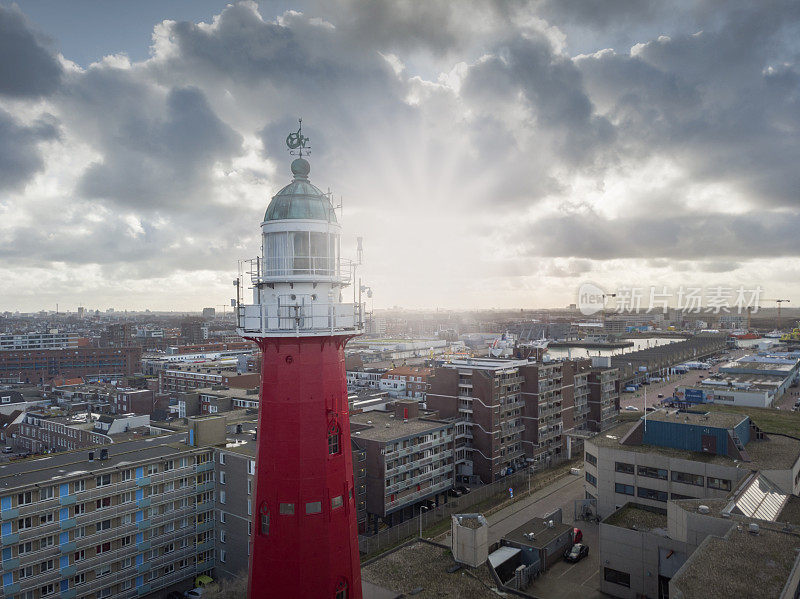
[300, 199]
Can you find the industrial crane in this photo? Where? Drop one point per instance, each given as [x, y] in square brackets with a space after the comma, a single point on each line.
[778, 302]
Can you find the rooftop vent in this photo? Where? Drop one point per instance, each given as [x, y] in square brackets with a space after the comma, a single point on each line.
[238, 429]
[103, 454]
[703, 509]
[388, 425]
[91, 456]
[369, 421]
[753, 528]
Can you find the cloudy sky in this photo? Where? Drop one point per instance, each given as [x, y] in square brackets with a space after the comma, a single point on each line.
[490, 154]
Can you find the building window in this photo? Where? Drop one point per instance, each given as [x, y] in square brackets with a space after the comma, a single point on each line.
[103, 502]
[223, 555]
[47, 493]
[222, 536]
[653, 494]
[591, 459]
[592, 480]
[222, 458]
[617, 577]
[103, 480]
[337, 502]
[25, 498]
[222, 496]
[623, 467]
[251, 467]
[688, 479]
[264, 513]
[222, 517]
[333, 439]
[722, 484]
[286, 509]
[313, 507]
[658, 473]
[341, 591]
[679, 496]
[623, 489]
[222, 477]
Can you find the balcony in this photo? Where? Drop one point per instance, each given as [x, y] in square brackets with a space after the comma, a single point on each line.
[69, 571]
[204, 526]
[204, 467]
[9, 514]
[67, 500]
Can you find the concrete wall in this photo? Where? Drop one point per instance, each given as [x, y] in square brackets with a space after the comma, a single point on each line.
[608, 499]
[642, 555]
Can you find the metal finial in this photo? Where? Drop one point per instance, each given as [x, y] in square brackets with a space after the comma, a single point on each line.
[296, 141]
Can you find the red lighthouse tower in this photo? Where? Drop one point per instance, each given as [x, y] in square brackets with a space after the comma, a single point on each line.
[304, 542]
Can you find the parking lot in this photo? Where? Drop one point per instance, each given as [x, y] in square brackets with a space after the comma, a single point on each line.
[565, 580]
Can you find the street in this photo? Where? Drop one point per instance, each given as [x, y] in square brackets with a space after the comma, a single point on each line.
[668, 388]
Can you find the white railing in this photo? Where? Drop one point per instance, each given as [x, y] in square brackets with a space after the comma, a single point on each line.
[283, 268]
[298, 316]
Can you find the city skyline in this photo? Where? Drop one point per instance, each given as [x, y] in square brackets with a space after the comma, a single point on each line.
[493, 155]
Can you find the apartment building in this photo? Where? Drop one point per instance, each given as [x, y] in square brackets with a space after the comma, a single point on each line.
[38, 366]
[369, 378]
[678, 455]
[181, 378]
[216, 400]
[406, 381]
[409, 459]
[29, 341]
[38, 431]
[487, 395]
[603, 398]
[121, 521]
[235, 467]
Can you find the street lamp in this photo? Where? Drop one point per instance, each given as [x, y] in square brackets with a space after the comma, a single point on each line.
[422, 510]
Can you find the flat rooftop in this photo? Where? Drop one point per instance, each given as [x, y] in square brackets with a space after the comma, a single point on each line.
[543, 534]
[373, 426]
[742, 562]
[635, 517]
[232, 393]
[54, 467]
[775, 452]
[424, 566]
[726, 420]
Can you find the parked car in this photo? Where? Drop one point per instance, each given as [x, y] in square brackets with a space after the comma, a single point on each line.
[631, 408]
[8, 450]
[577, 553]
[464, 490]
[660, 396]
[454, 493]
[194, 593]
[577, 535]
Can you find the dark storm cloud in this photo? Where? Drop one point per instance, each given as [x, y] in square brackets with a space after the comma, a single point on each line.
[723, 103]
[689, 236]
[553, 91]
[20, 157]
[157, 154]
[27, 67]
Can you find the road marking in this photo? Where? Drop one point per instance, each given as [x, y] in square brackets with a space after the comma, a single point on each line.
[592, 576]
[568, 569]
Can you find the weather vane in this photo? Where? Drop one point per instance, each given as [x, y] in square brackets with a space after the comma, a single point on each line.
[296, 141]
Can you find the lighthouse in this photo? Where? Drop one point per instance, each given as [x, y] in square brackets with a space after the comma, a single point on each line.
[304, 539]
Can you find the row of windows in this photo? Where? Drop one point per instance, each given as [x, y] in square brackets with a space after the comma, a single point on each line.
[644, 493]
[686, 478]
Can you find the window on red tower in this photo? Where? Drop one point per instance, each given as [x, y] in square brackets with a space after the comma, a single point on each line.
[341, 591]
[333, 439]
[264, 514]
